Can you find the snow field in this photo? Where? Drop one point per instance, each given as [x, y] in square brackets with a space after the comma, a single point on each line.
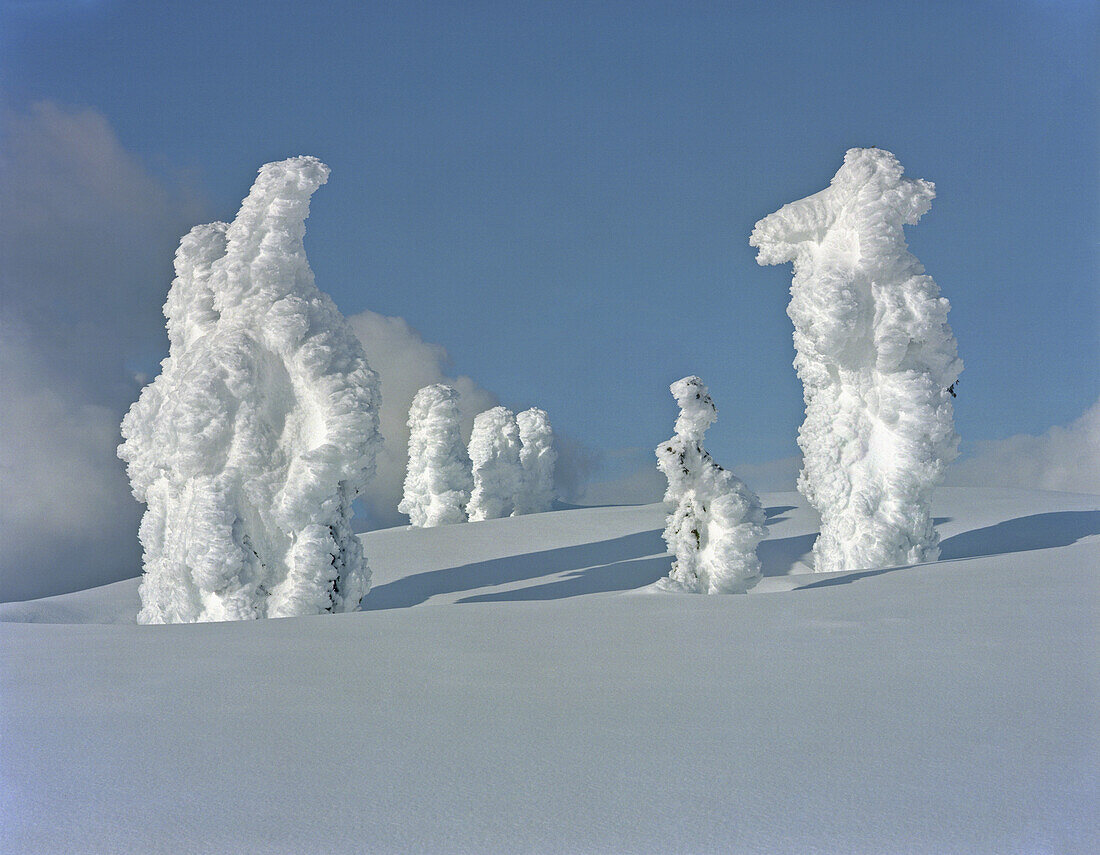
[510, 687]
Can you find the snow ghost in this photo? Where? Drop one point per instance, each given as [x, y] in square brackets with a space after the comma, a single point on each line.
[438, 480]
[261, 429]
[876, 359]
[537, 457]
[715, 521]
[494, 454]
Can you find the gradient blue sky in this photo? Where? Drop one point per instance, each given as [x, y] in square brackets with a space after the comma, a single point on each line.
[561, 194]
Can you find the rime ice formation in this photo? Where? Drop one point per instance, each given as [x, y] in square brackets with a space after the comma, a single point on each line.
[876, 358]
[494, 454]
[250, 446]
[438, 480]
[715, 521]
[537, 457]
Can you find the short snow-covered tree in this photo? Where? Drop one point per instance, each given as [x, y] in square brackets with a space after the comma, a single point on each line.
[250, 446]
[537, 457]
[498, 474]
[438, 480]
[876, 358]
[715, 522]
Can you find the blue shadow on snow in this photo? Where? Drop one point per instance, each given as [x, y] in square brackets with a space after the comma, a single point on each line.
[603, 556]
[1023, 534]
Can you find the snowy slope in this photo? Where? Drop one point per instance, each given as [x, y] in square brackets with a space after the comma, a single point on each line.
[510, 687]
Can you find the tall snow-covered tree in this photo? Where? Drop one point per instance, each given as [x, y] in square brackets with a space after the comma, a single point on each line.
[438, 481]
[498, 474]
[715, 522]
[876, 358]
[537, 457]
[250, 446]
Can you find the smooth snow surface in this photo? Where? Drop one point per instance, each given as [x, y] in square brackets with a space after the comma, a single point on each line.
[876, 358]
[509, 689]
[250, 446]
[437, 479]
[714, 521]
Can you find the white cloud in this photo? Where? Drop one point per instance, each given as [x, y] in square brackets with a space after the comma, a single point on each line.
[67, 519]
[1065, 459]
[86, 243]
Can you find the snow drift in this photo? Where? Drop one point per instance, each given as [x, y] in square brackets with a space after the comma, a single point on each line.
[438, 480]
[876, 358]
[715, 521]
[261, 428]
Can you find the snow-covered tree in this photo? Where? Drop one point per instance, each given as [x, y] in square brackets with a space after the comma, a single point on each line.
[438, 480]
[876, 358]
[498, 474]
[537, 457]
[261, 428]
[714, 521]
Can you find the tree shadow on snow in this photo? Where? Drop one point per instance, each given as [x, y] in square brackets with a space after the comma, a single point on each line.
[778, 557]
[620, 576]
[602, 557]
[774, 514]
[1023, 534]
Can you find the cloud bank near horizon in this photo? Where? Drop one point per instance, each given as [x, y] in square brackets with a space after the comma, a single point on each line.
[85, 256]
[1062, 459]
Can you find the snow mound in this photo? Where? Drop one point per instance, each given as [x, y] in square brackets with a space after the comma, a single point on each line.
[261, 428]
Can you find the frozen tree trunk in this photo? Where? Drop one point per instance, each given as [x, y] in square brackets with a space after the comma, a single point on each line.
[250, 446]
[438, 480]
[537, 457]
[715, 521]
[494, 454]
[876, 358]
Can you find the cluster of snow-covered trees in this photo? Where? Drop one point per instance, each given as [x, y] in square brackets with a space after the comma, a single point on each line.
[507, 470]
[250, 446]
[877, 361]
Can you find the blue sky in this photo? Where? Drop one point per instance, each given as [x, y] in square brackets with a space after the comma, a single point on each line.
[561, 194]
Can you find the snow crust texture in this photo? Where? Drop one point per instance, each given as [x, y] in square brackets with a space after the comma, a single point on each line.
[715, 522]
[250, 446]
[537, 458]
[876, 358]
[497, 471]
[438, 481]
